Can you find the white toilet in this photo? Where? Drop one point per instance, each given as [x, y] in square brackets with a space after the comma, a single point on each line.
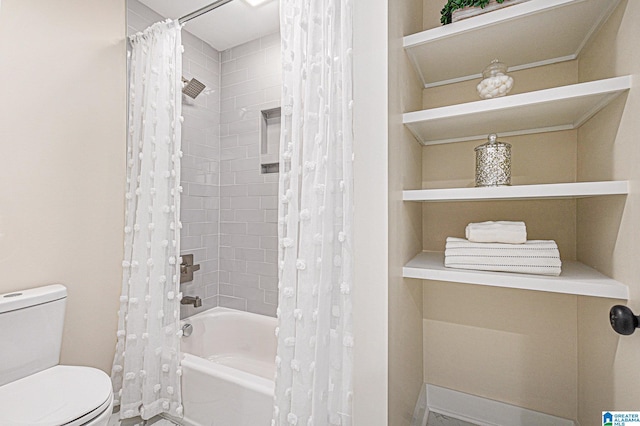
[34, 389]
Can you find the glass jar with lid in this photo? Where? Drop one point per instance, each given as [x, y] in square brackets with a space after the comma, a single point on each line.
[495, 81]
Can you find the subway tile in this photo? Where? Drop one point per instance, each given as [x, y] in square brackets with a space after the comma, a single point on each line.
[246, 48]
[254, 255]
[229, 117]
[244, 126]
[269, 243]
[252, 61]
[192, 215]
[225, 203]
[212, 216]
[190, 243]
[211, 241]
[239, 165]
[212, 252]
[262, 229]
[271, 177]
[225, 289]
[223, 276]
[272, 94]
[271, 297]
[244, 241]
[269, 283]
[244, 203]
[262, 268]
[232, 303]
[254, 215]
[202, 228]
[264, 189]
[253, 151]
[233, 265]
[240, 88]
[229, 216]
[229, 142]
[214, 65]
[225, 55]
[270, 40]
[227, 67]
[199, 254]
[210, 278]
[227, 253]
[260, 308]
[235, 153]
[233, 190]
[248, 293]
[211, 290]
[210, 52]
[193, 55]
[211, 203]
[250, 99]
[249, 177]
[252, 138]
[234, 77]
[207, 266]
[244, 279]
[271, 256]
[227, 178]
[269, 202]
[203, 190]
[227, 104]
[191, 202]
[233, 228]
[271, 216]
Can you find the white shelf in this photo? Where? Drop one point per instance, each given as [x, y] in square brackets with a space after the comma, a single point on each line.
[520, 192]
[525, 35]
[576, 278]
[559, 108]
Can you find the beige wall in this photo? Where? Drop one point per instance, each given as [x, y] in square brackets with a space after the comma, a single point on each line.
[62, 145]
[552, 353]
[518, 347]
[608, 228]
[405, 227]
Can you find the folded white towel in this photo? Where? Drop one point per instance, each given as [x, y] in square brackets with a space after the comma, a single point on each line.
[533, 257]
[497, 232]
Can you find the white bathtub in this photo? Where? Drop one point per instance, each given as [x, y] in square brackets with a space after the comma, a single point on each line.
[228, 369]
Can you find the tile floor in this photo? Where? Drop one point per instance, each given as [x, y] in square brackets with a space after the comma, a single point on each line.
[114, 420]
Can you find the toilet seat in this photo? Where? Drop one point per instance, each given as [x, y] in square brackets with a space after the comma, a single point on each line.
[60, 395]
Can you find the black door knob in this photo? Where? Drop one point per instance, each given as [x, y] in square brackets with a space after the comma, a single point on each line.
[623, 320]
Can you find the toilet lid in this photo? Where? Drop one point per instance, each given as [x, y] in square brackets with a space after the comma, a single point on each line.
[60, 395]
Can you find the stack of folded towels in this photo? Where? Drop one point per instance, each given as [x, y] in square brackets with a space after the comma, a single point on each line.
[502, 246]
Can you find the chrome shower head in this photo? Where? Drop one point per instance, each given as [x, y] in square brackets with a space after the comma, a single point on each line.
[192, 88]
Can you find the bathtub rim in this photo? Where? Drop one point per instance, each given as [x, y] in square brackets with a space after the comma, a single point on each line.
[240, 377]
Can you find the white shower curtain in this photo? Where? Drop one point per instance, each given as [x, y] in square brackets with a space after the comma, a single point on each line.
[146, 368]
[314, 384]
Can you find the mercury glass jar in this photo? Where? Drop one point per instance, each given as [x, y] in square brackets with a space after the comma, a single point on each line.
[493, 163]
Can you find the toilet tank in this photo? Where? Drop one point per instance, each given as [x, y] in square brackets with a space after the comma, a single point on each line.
[31, 323]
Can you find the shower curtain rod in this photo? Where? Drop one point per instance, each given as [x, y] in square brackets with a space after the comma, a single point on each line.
[203, 10]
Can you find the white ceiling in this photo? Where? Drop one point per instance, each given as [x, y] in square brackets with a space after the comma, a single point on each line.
[227, 26]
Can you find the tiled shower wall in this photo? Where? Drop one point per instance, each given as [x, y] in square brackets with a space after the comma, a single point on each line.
[250, 83]
[200, 162]
[229, 208]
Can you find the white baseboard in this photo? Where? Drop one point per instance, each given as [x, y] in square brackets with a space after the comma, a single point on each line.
[479, 411]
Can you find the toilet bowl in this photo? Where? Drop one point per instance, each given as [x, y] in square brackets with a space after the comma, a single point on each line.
[34, 389]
